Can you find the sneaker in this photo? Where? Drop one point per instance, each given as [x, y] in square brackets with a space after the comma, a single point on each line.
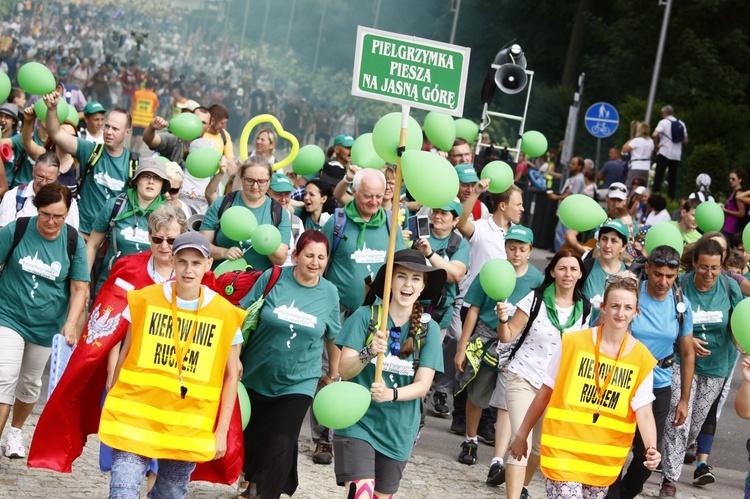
[668, 489]
[486, 434]
[703, 475]
[468, 453]
[14, 444]
[440, 404]
[496, 476]
[323, 453]
[524, 493]
[690, 453]
[458, 427]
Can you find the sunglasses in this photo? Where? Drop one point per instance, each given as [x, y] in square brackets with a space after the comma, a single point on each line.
[174, 191]
[618, 188]
[661, 262]
[159, 240]
[628, 281]
[396, 343]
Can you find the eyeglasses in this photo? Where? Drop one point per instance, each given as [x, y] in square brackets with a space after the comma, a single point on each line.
[175, 190]
[661, 262]
[46, 217]
[44, 180]
[627, 280]
[396, 343]
[150, 176]
[261, 182]
[159, 240]
[705, 269]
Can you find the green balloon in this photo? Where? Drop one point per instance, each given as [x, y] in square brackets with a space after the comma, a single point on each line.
[741, 324]
[500, 174]
[230, 266]
[364, 155]
[580, 212]
[36, 79]
[186, 126]
[40, 108]
[498, 279]
[73, 115]
[385, 136]
[709, 216]
[203, 162]
[163, 159]
[4, 87]
[432, 181]
[664, 234]
[266, 239]
[244, 399]
[440, 129]
[238, 223]
[309, 160]
[467, 129]
[340, 405]
[533, 143]
[746, 236]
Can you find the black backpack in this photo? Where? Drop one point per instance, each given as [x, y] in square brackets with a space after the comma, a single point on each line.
[677, 131]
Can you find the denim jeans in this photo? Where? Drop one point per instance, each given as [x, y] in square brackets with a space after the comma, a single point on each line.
[128, 470]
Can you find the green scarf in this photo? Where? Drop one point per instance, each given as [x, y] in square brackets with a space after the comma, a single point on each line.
[135, 209]
[377, 220]
[549, 301]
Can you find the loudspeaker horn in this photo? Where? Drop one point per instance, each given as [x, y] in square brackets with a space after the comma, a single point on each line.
[510, 65]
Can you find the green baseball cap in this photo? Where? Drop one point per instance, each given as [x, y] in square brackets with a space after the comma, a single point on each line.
[93, 107]
[281, 183]
[466, 174]
[343, 140]
[520, 233]
[454, 206]
[617, 226]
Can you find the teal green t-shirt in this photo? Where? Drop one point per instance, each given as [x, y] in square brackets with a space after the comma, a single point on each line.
[108, 179]
[462, 255]
[131, 234]
[390, 427]
[593, 288]
[710, 320]
[283, 355]
[25, 173]
[476, 296]
[310, 224]
[350, 265]
[263, 216]
[34, 283]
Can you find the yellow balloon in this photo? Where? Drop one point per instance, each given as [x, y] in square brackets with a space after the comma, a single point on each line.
[268, 118]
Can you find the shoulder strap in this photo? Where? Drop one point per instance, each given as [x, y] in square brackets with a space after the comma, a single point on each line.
[223, 136]
[225, 203]
[588, 264]
[20, 200]
[338, 228]
[275, 273]
[20, 230]
[374, 323]
[536, 304]
[133, 163]
[118, 208]
[677, 294]
[453, 243]
[276, 210]
[96, 154]
[72, 244]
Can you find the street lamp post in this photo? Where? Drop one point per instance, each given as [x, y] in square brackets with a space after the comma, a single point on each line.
[659, 54]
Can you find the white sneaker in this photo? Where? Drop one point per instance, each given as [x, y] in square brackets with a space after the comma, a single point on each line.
[14, 444]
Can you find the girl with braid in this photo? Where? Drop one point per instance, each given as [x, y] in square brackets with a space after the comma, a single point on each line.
[371, 454]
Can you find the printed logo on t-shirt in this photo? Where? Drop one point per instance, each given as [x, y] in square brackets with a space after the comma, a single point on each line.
[367, 255]
[707, 317]
[135, 235]
[396, 365]
[294, 315]
[33, 265]
[102, 178]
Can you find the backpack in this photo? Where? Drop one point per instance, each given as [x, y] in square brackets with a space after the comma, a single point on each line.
[236, 284]
[438, 303]
[338, 232]
[374, 326]
[677, 132]
[253, 311]
[96, 155]
[536, 305]
[226, 203]
[21, 225]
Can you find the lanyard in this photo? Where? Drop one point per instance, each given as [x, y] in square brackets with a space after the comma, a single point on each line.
[176, 335]
[600, 391]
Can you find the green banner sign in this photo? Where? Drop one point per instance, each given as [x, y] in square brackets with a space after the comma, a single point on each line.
[410, 71]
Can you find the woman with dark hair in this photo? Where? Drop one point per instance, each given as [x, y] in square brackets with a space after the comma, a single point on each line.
[43, 285]
[658, 210]
[319, 204]
[372, 453]
[282, 363]
[555, 307]
[587, 436]
[124, 219]
[734, 208]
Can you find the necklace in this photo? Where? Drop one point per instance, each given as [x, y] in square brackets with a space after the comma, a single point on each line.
[176, 335]
[600, 391]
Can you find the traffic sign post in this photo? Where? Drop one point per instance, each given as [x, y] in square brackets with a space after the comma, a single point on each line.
[601, 121]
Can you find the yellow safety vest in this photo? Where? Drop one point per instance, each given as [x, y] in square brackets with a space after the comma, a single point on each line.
[574, 447]
[144, 412]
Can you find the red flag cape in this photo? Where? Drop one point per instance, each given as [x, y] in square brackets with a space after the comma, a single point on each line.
[73, 411]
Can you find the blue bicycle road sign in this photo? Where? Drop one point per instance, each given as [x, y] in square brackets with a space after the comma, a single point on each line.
[601, 120]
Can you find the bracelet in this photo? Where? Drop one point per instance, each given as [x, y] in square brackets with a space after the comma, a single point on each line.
[395, 394]
[348, 181]
[333, 378]
[366, 355]
[430, 255]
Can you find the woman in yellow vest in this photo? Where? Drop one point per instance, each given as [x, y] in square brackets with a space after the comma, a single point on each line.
[591, 419]
[168, 401]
